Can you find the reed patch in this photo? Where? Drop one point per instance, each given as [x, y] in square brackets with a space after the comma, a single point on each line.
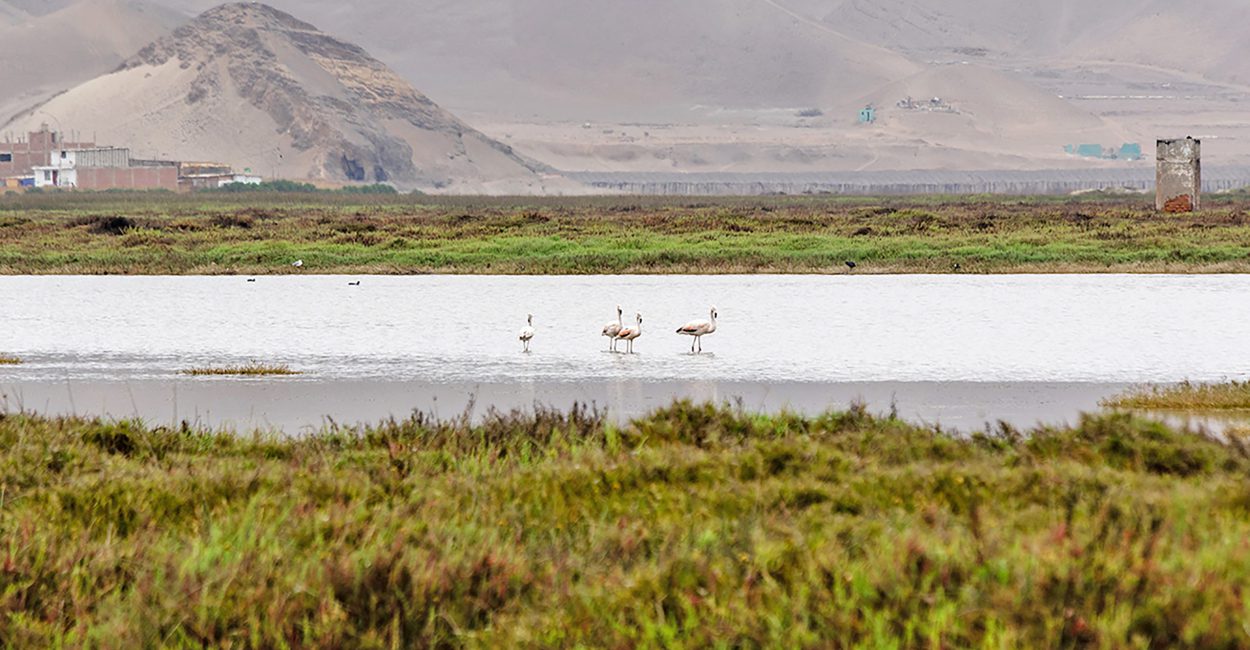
[250, 369]
[1186, 396]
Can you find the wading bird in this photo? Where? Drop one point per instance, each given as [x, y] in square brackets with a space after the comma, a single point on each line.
[850, 266]
[628, 334]
[699, 329]
[299, 264]
[612, 329]
[527, 333]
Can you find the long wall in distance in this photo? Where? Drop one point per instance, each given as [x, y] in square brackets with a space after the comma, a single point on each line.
[128, 178]
[1044, 182]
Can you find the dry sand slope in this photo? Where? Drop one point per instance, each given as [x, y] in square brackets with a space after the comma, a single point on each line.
[49, 53]
[257, 88]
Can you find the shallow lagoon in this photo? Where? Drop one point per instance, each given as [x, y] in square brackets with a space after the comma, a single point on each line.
[955, 350]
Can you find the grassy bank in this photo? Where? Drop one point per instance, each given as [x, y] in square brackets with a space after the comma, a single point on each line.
[218, 234]
[693, 527]
[1186, 396]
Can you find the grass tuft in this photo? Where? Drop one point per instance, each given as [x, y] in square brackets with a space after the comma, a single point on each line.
[1186, 396]
[9, 360]
[695, 526]
[251, 369]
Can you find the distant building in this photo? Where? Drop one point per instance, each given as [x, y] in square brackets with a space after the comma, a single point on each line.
[44, 160]
[102, 168]
[243, 179]
[934, 105]
[18, 159]
[207, 175]
[1128, 151]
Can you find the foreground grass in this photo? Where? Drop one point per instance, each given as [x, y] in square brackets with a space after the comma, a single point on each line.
[394, 235]
[693, 527]
[1186, 396]
[251, 369]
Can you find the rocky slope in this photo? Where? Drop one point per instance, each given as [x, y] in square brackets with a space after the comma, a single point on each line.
[256, 87]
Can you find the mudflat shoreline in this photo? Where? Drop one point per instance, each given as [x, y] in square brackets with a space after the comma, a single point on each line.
[308, 405]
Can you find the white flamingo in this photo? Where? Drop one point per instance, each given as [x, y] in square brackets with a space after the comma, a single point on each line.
[612, 329]
[699, 329]
[629, 334]
[527, 333]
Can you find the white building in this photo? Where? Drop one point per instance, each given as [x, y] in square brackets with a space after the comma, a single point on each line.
[241, 179]
[64, 176]
[62, 168]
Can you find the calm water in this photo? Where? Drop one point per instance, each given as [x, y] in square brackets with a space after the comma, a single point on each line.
[775, 332]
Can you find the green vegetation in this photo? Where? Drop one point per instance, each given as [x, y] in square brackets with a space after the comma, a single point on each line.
[253, 233]
[1186, 396]
[248, 369]
[9, 360]
[696, 526]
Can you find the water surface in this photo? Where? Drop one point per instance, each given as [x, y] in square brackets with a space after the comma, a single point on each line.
[783, 341]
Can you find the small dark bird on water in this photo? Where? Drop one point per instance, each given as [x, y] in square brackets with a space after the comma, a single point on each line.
[850, 266]
[251, 279]
[354, 284]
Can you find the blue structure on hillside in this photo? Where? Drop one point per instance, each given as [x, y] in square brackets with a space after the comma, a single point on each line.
[867, 115]
[1127, 151]
[1130, 152]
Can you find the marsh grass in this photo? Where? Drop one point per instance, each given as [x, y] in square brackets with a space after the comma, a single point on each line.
[1186, 396]
[250, 369]
[9, 360]
[168, 234]
[695, 526]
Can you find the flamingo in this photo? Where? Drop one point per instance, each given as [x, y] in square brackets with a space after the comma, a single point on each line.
[628, 334]
[699, 329]
[527, 333]
[612, 329]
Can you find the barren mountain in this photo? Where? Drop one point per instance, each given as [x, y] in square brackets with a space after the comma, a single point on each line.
[606, 59]
[253, 86]
[54, 51]
[697, 85]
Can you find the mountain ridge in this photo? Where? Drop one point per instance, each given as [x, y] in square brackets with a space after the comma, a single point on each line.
[316, 107]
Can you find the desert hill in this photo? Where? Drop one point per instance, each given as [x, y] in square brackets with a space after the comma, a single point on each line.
[252, 86]
[698, 85]
[656, 59]
[1201, 37]
[68, 46]
[589, 59]
[980, 103]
